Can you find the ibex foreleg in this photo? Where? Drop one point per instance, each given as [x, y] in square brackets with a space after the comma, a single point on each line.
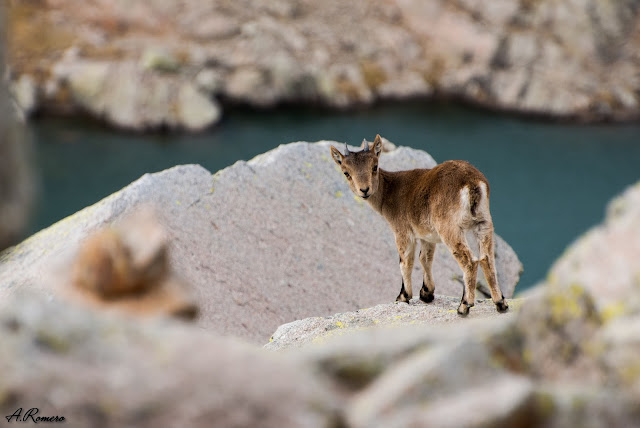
[406, 249]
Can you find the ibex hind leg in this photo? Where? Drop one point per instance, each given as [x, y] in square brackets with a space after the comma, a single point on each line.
[487, 261]
[427, 251]
[457, 244]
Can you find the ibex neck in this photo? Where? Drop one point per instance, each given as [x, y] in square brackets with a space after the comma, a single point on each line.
[377, 199]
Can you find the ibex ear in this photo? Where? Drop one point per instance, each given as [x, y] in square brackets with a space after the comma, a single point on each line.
[377, 145]
[336, 155]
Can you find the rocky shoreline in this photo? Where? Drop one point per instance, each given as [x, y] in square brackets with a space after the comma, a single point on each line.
[175, 65]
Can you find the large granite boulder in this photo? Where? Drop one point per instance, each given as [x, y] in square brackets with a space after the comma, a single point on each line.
[571, 59]
[262, 243]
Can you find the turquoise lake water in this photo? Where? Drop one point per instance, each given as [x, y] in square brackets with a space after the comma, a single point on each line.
[549, 181]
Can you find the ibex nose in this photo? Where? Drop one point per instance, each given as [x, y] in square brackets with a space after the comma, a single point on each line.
[364, 191]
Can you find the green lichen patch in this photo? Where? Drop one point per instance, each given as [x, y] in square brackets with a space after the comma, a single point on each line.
[53, 341]
[353, 372]
[612, 311]
[569, 304]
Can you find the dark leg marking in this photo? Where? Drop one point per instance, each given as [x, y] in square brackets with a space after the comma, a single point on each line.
[464, 300]
[426, 295]
[502, 305]
[403, 296]
[463, 310]
[464, 307]
[474, 198]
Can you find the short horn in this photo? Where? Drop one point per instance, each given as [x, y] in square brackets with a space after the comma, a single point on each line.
[365, 145]
[346, 150]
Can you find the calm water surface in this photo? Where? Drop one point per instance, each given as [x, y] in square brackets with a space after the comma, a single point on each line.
[549, 182]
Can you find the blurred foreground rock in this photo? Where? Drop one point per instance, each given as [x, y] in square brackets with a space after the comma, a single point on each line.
[104, 371]
[260, 243]
[166, 63]
[127, 268]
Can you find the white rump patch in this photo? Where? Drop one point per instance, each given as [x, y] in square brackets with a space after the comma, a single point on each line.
[483, 189]
[464, 199]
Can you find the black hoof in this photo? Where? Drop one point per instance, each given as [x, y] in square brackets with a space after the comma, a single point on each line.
[402, 298]
[502, 306]
[463, 310]
[426, 296]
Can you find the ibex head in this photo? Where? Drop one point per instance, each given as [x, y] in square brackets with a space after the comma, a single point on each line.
[360, 168]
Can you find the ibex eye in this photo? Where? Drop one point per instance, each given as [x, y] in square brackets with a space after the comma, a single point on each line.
[375, 168]
[346, 174]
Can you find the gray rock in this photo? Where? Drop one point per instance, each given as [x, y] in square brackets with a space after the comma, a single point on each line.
[214, 27]
[424, 376]
[98, 370]
[208, 81]
[195, 110]
[562, 405]
[621, 340]
[132, 97]
[30, 265]
[24, 92]
[125, 268]
[86, 82]
[556, 330]
[353, 362]
[263, 242]
[500, 401]
[159, 59]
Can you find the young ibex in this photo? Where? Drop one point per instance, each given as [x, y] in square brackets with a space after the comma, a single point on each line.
[429, 206]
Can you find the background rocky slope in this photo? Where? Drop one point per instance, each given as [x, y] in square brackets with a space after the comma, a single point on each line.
[261, 243]
[165, 63]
